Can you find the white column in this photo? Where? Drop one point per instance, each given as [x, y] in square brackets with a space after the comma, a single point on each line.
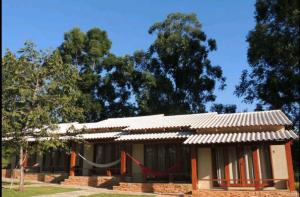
[88, 151]
[137, 153]
[204, 166]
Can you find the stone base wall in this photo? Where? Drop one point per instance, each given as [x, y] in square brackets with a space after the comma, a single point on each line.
[5, 173]
[94, 181]
[274, 193]
[44, 177]
[167, 188]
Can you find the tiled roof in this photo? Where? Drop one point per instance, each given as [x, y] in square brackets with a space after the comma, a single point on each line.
[216, 138]
[118, 122]
[154, 136]
[162, 122]
[273, 117]
[66, 127]
[200, 121]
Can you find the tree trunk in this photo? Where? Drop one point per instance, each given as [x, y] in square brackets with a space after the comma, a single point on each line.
[21, 185]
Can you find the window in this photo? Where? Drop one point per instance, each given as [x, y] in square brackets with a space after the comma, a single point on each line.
[106, 153]
[247, 151]
[219, 165]
[47, 160]
[240, 164]
[234, 168]
[55, 160]
[163, 157]
[32, 159]
[265, 164]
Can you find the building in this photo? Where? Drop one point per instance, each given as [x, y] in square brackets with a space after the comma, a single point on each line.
[174, 154]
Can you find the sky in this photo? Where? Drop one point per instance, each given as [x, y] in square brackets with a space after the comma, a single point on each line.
[127, 23]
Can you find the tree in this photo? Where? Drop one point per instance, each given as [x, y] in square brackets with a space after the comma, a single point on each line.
[116, 88]
[180, 77]
[105, 79]
[273, 55]
[223, 109]
[39, 90]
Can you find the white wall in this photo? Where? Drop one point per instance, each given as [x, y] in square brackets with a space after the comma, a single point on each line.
[88, 153]
[204, 166]
[279, 164]
[137, 153]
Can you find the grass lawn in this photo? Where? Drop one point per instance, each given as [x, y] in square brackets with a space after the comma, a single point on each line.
[15, 183]
[116, 195]
[34, 191]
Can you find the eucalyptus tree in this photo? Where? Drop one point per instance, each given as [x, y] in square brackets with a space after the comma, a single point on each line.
[105, 79]
[273, 78]
[183, 77]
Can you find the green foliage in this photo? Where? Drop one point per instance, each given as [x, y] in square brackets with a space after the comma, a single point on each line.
[105, 80]
[273, 78]
[116, 87]
[178, 76]
[38, 91]
[223, 109]
[6, 153]
[173, 76]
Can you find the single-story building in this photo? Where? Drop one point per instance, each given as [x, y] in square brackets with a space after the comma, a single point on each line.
[208, 152]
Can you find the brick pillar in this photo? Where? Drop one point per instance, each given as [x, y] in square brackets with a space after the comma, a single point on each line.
[288, 152]
[73, 160]
[123, 162]
[256, 168]
[194, 167]
[25, 159]
[241, 161]
[226, 167]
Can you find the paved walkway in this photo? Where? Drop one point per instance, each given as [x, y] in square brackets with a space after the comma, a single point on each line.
[84, 190]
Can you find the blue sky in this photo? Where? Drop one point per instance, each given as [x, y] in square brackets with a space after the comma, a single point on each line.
[127, 23]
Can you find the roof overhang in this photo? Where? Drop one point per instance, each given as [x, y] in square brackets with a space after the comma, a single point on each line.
[218, 138]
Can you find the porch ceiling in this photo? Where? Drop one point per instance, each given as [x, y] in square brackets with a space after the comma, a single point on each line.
[100, 135]
[240, 137]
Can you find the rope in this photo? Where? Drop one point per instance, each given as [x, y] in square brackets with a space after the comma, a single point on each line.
[98, 165]
[33, 166]
[145, 170]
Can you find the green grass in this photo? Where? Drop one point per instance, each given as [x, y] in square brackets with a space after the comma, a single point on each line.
[34, 191]
[5, 183]
[114, 195]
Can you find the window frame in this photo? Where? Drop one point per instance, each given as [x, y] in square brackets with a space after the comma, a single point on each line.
[242, 182]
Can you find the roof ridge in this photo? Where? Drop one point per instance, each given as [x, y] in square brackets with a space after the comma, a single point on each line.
[253, 112]
[133, 117]
[204, 113]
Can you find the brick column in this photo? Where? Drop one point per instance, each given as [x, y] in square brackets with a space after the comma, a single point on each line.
[242, 167]
[256, 168]
[288, 152]
[194, 167]
[25, 159]
[123, 162]
[73, 160]
[226, 167]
